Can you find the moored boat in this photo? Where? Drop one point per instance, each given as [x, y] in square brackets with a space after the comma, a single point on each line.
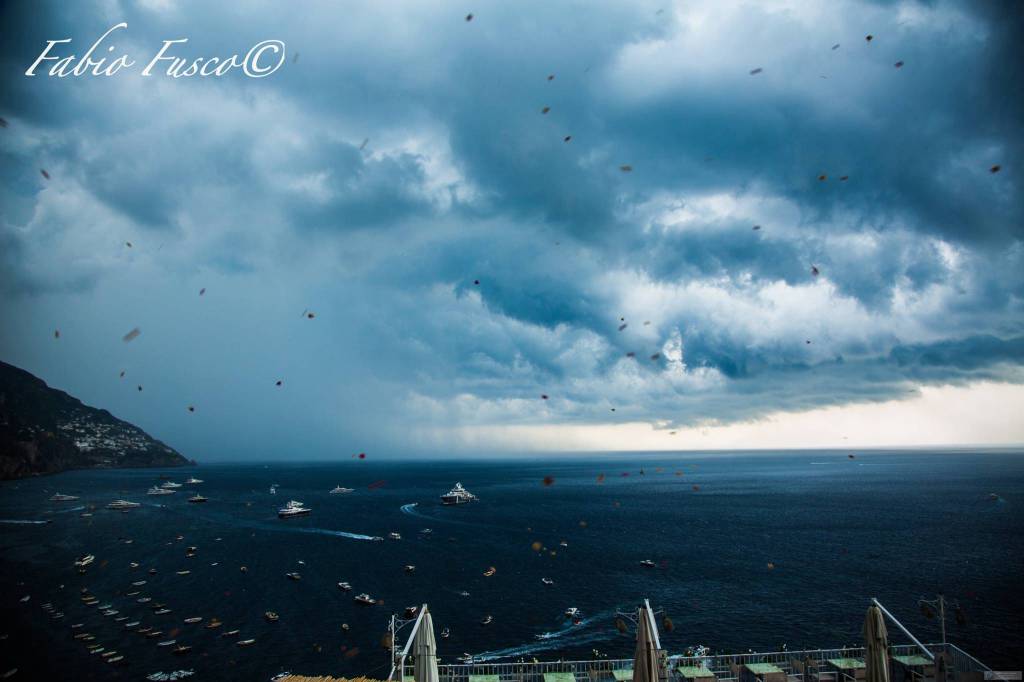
[458, 495]
[293, 508]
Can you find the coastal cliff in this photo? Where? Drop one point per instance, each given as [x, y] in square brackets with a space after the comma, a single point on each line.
[44, 431]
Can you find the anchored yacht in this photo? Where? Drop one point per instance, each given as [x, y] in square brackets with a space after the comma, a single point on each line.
[57, 497]
[458, 495]
[291, 509]
[193, 481]
[123, 504]
[157, 490]
[338, 490]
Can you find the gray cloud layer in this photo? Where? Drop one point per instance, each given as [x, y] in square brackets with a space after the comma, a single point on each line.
[259, 191]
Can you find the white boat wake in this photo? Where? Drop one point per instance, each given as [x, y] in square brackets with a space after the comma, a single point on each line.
[24, 522]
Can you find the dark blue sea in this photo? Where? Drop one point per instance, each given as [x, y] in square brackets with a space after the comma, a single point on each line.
[768, 550]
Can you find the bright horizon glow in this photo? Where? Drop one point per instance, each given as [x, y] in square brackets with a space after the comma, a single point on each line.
[984, 414]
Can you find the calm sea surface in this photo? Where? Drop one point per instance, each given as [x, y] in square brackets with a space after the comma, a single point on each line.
[772, 549]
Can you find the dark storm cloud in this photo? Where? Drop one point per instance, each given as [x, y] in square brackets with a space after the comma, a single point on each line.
[468, 250]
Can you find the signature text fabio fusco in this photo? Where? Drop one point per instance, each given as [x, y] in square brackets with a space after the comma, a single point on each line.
[102, 59]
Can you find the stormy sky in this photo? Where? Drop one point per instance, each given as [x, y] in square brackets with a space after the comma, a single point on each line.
[465, 253]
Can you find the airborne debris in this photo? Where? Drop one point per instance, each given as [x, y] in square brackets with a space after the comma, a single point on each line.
[477, 282]
[543, 396]
[191, 408]
[995, 169]
[623, 326]
[133, 334]
[869, 37]
[545, 110]
[56, 333]
[140, 387]
[122, 374]
[815, 271]
[469, 17]
[754, 72]
[899, 64]
[551, 77]
[822, 177]
[366, 141]
[626, 168]
[128, 244]
[277, 383]
[567, 138]
[45, 174]
[202, 291]
[756, 227]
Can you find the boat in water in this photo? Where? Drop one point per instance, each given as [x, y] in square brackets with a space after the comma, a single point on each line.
[487, 620]
[84, 561]
[273, 490]
[445, 633]
[338, 490]
[365, 599]
[197, 499]
[458, 495]
[647, 563]
[170, 484]
[395, 536]
[193, 481]
[57, 497]
[271, 616]
[344, 586]
[123, 505]
[246, 642]
[410, 611]
[293, 576]
[291, 509]
[409, 568]
[157, 490]
[547, 581]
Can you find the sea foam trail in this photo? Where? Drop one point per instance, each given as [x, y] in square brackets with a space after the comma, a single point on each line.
[24, 522]
[538, 646]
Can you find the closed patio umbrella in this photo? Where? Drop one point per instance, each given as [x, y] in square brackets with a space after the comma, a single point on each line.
[646, 659]
[876, 646]
[424, 647]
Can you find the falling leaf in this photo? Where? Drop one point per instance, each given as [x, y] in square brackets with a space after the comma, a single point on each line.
[545, 110]
[45, 174]
[756, 71]
[469, 17]
[869, 37]
[549, 480]
[626, 168]
[899, 64]
[995, 169]
[133, 334]
[623, 326]
[567, 138]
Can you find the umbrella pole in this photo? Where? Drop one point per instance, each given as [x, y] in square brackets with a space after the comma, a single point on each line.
[923, 648]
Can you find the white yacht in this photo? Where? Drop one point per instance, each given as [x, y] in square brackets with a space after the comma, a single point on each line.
[57, 497]
[291, 509]
[572, 612]
[395, 536]
[458, 495]
[365, 599]
[273, 490]
[123, 504]
[84, 561]
[647, 563]
[157, 490]
[193, 481]
[170, 484]
[547, 581]
[338, 490]
[196, 499]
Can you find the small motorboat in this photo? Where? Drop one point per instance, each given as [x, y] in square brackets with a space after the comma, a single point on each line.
[157, 490]
[463, 594]
[246, 642]
[186, 572]
[142, 631]
[133, 624]
[426, 531]
[445, 633]
[57, 497]
[465, 658]
[647, 563]
[169, 642]
[572, 612]
[193, 481]
[152, 571]
[160, 612]
[194, 619]
[115, 659]
[293, 508]
[344, 587]
[139, 583]
[490, 571]
[395, 536]
[154, 634]
[365, 599]
[293, 576]
[410, 611]
[144, 600]
[213, 624]
[487, 620]
[409, 568]
[338, 490]
[84, 561]
[197, 499]
[563, 543]
[547, 581]
[229, 633]
[170, 484]
[271, 616]
[182, 649]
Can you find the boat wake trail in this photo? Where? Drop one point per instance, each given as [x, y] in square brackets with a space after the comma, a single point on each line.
[24, 522]
[69, 510]
[336, 533]
[542, 645]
